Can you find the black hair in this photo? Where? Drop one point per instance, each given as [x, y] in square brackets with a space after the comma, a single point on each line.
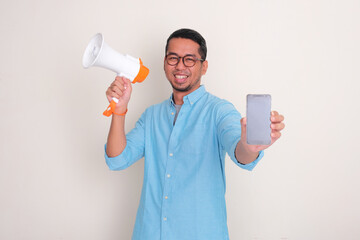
[192, 35]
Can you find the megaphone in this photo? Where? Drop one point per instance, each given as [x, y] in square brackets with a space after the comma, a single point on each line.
[99, 54]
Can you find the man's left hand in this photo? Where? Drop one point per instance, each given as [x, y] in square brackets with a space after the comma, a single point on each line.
[277, 125]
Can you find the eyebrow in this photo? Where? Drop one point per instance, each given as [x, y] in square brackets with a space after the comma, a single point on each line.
[172, 53]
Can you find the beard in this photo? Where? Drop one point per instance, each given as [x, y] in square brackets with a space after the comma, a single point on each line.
[185, 89]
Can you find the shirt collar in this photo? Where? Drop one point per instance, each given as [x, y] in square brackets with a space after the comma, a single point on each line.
[192, 97]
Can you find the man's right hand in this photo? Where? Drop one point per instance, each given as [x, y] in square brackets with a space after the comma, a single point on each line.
[121, 89]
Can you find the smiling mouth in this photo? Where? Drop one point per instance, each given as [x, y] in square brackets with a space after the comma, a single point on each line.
[180, 78]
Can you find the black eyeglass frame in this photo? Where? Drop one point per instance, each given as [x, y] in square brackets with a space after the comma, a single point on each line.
[183, 59]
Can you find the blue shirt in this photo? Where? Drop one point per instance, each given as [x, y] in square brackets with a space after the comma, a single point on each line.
[183, 193]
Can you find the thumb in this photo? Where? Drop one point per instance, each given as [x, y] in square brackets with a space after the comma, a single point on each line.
[243, 122]
[243, 128]
[128, 85]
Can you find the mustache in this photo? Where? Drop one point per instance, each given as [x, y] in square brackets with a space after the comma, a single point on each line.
[181, 72]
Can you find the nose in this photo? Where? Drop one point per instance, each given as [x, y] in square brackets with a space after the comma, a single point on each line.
[180, 64]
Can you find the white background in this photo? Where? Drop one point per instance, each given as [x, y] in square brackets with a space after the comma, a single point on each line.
[54, 182]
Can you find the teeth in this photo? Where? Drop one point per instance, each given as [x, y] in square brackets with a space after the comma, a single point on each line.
[180, 76]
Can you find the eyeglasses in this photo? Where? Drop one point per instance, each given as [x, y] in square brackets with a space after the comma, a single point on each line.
[188, 60]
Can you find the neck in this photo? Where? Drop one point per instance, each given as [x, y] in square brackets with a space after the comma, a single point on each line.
[178, 96]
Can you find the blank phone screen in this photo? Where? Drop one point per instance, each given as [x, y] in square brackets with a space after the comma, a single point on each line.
[258, 111]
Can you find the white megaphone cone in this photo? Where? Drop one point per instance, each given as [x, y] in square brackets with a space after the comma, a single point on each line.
[99, 54]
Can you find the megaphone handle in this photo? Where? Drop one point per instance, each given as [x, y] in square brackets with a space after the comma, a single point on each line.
[111, 108]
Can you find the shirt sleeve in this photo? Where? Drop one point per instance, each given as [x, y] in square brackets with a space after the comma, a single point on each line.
[134, 149]
[229, 132]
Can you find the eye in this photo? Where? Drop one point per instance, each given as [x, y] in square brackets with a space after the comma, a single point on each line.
[172, 58]
[189, 59]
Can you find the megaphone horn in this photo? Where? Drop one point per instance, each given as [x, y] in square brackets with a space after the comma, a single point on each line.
[99, 54]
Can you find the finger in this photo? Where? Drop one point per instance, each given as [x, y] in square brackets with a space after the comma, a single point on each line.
[118, 85]
[123, 83]
[127, 83]
[278, 126]
[112, 94]
[117, 91]
[119, 81]
[277, 118]
[120, 78]
[274, 113]
[243, 121]
[243, 129]
[118, 88]
[275, 135]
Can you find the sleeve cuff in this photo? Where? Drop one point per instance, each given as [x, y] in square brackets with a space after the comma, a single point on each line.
[117, 162]
[249, 166]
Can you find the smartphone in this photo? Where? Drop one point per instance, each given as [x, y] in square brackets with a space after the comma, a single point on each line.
[258, 113]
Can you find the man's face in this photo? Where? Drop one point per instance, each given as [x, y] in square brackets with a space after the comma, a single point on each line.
[181, 77]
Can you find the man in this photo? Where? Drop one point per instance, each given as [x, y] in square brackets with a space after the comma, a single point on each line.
[184, 141]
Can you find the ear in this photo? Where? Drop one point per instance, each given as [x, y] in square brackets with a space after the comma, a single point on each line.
[204, 67]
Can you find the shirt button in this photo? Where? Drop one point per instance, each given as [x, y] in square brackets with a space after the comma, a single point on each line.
[168, 175]
[171, 154]
[172, 113]
[165, 218]
[166, 197]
